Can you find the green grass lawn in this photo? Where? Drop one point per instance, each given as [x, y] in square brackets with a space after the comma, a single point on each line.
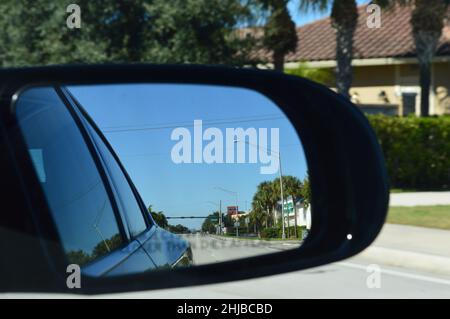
[257, 238]
[413, 190]
[424, 216]
[403, 190]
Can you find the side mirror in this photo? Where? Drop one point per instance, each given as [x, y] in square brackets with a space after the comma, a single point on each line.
[327, 196]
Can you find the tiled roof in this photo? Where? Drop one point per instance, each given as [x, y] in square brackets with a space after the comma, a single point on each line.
[317, 40]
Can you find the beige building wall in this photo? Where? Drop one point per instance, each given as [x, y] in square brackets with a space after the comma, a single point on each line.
[374, 85]
[441, 79]
[394, 80]
[407, 81]
[386, 84]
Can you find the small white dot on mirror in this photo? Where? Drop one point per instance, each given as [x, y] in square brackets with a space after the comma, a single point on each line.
[349, 236]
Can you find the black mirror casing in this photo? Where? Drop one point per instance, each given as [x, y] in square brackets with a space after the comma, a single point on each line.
[349, 183]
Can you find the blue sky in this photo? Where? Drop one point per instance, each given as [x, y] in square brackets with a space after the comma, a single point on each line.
[301, 18]
[138, 120]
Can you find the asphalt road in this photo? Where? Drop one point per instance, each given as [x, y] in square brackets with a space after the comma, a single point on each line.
[419, 199]
[208, 249]
[339, 280]
[347, 279]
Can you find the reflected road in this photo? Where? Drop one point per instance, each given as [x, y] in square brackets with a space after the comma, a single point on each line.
[208, 249]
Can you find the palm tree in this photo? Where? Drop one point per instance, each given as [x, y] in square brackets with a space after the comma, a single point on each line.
[280, 34]
[257, 216]
[344, 17]
[266, 199]
[427, 21]
[306, 192]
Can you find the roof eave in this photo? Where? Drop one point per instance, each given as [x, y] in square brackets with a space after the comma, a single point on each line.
[366, 62]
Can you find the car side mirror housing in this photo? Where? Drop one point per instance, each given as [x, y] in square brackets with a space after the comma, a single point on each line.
[348, 180]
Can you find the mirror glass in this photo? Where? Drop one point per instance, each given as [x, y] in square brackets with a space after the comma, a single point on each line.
[212, 166]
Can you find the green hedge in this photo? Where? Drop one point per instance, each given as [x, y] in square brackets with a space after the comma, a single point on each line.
[416, 150]
[276, 232]
[270, 232]
[242, 231]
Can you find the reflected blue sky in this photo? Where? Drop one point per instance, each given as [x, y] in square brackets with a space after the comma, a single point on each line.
[138, 121]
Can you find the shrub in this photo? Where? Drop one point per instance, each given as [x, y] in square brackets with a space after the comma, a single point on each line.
[290, 230]
[323, 76]
[416, 150]
[242, 231]
[277, 232]
[270, 232]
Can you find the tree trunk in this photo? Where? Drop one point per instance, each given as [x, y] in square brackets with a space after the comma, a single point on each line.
[344, 70]
[278, 61]
[425, 82]
[427, 21]
[426, 43]
[288, 226]
[274, 216]
[295, 221]
[344, 19]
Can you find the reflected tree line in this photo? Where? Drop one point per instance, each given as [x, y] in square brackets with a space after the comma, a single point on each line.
[266, 200]
[162, 221]
[81, 257]
[262, 217]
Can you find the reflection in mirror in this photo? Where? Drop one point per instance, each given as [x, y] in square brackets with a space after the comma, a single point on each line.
[215, 168]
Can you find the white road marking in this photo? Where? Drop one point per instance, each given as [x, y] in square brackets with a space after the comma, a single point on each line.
[399, 273]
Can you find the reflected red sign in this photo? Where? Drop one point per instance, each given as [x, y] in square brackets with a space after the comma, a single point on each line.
[232, 210]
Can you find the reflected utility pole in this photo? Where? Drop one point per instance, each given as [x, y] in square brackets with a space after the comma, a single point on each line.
[237, 207]
[220, 221]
